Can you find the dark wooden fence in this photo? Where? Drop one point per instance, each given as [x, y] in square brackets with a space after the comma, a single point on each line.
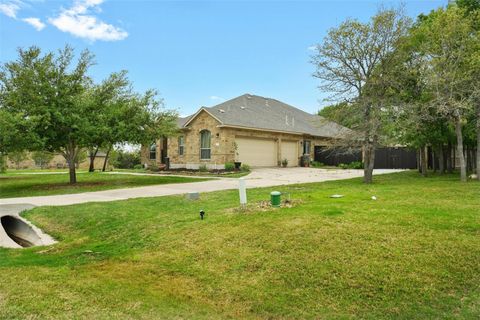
[385, 158]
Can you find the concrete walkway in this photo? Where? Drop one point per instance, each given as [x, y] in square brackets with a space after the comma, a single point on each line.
[264, 177]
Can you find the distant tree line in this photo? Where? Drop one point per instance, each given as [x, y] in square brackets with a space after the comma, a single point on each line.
[411, 82]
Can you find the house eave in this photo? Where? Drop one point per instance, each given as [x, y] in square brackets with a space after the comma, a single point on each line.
[261, 129]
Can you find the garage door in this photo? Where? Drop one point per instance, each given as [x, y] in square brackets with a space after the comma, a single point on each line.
[290, 152]
[257, 152]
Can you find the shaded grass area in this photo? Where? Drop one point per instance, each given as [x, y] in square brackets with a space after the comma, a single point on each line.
[412, 254]
[25, 185]
[231, 174]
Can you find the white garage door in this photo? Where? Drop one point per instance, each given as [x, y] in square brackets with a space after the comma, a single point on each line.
[290, 152]
[257, 152]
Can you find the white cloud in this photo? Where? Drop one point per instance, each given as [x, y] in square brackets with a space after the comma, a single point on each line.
[216, 98]
[79, 21]
[10, 9]
[35, 22]
[312, 48]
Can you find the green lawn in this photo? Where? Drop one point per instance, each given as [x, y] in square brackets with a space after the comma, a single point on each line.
[412, 254]
[25, 185]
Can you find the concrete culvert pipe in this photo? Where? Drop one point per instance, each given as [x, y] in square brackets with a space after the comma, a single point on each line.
[20, 232]
[16, 232]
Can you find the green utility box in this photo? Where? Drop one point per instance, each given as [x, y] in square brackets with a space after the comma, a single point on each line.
[275, 198]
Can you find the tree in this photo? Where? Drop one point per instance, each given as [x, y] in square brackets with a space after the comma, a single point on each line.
[345, 63]
[66, 112]
[42, 158]
[343, 113]
[448, 46]
[472, 9]
[122, 115]
[15, 132]
[51, 91]
[18, 157]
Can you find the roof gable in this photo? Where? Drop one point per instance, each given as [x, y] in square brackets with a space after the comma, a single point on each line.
[189, 119]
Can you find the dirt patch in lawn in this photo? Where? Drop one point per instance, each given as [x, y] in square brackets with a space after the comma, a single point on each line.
[67, 185]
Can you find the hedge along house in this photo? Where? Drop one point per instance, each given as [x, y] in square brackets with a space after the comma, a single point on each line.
[254, 130]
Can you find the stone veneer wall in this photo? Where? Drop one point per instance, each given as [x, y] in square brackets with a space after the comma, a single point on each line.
[223, 143]
[220, 149]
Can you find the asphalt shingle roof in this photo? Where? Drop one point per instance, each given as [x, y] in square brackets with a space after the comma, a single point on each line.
[251, 111]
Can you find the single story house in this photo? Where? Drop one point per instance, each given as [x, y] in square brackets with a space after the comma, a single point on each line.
[254, 130]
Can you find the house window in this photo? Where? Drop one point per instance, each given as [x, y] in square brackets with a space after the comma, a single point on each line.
[205, 142]
[306, 147]
[153, 151]
[181, 145]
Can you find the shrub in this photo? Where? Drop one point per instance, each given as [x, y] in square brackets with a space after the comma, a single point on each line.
[3, 164]
[153, 168]
[138, 167]
[317, 164]
[351, 165]
[284, 163]
[42, 158]
[245, 167]
[355, 165]
[126, 160]
[203, 168]
[229, 166]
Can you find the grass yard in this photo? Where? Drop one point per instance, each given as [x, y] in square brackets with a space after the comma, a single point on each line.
[412, 254]
[25, 185]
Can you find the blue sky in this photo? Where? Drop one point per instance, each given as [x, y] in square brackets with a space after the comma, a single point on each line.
[193, 52]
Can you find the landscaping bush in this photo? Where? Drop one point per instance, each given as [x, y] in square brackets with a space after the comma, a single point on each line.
[3, 164]
[126, 160]
[245, 167]
[153, 168]
[138, 167]
[229, 166]
[203, 168]
[351, 165]
[355, 165]
[317, 164]
[42, 158]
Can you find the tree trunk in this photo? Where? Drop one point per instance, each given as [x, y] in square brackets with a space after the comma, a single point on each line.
[424, 161]
[434, 164]
[72, 173]
[70, 154]
[369, 161]
[441, 163]
[458, 132]
[3, 163]
[92, 160]
[419, 161]
[449, 158]
[106, 158]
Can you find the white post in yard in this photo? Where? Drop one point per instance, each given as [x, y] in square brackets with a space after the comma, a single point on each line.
[242, 190]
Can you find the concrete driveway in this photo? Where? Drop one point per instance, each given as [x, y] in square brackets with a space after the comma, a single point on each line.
[261, 177]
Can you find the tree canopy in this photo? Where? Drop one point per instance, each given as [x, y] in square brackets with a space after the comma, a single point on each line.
[57, 107]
